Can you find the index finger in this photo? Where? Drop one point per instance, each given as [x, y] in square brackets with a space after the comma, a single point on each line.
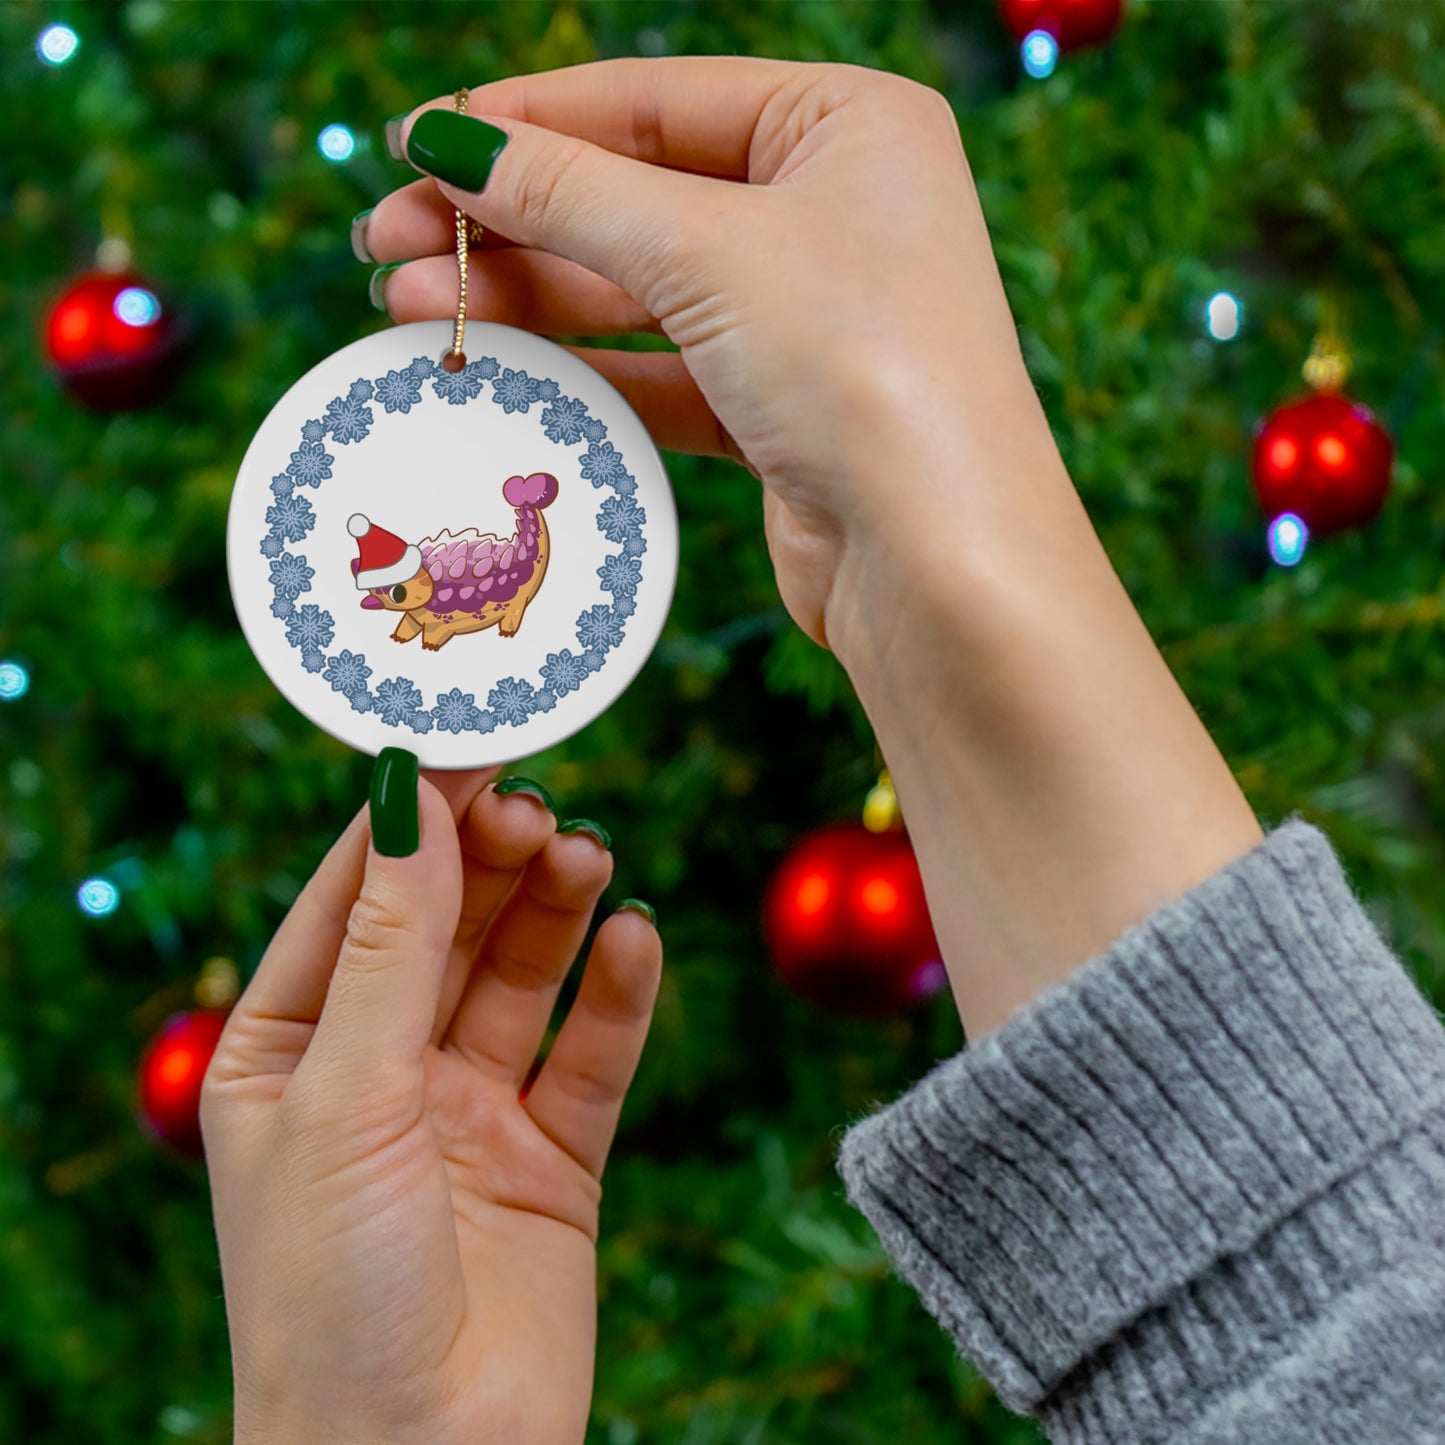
[695, 113]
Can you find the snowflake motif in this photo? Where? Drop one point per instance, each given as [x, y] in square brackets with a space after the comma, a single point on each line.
[283, 607]
[290, 575]
[347, 671]
[545, 700]
[361, 391]
[292, 519]
[271, 544]
[598, 628]
[313, 431]
[625, 485]
[422, 368]
[348, 421]
[486, 722]
[547, 389]
[311, 464]
[487, 367]
[603, 464]
[455, 710]
[311, 628]
[398, 391]
[564, 672]
[360, 700]
[620, 575]
[619, 517]
[594, 430]
[625, 606]
[634, 546]
[514, 390]
[564, 419]
[312, 659]
[456, 388]
[512, 700]
[282, 486]
[396, 699]
[592, 660]
[420, 722]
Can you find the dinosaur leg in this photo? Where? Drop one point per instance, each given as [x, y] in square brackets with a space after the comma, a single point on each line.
[436, 635]
[406, 629]
[512, 617]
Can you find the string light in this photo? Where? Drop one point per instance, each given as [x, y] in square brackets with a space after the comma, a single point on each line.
[336, 143]
[14, 681]
[1288, 537]
[1040, 52]
[98, 897]
[57, 44]
[1223, 316]
[137, 307]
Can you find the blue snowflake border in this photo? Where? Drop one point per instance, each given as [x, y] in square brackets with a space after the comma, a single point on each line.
[398, 701]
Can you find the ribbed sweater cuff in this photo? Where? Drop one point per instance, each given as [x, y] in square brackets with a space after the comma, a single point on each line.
[1124, 1176]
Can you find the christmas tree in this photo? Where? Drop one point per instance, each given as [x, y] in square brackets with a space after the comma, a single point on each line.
[1212, 162]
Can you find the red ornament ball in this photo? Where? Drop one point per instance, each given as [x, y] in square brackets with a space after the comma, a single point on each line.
[1324, 458]
[171, 1071]
[847, 923]
[112, 341]
[1073, 23]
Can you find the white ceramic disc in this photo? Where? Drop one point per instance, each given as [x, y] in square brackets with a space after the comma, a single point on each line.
[472, 565]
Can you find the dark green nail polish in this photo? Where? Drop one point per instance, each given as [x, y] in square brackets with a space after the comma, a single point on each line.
[359, 248]
[392, 132]
[526, 785]
[376, 288]
[586, 825]
[636, 905]
[455, 148]
[395, 821]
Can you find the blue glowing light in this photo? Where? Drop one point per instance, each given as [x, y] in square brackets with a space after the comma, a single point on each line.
[1223, 316]
[137, 307]
[98, 897]
[1288, 537]
[1040, 52]
[57, 44]
[14, 681]
[336, 143]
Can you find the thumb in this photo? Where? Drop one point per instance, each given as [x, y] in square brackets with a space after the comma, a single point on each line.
[633, 223]
[382, 999]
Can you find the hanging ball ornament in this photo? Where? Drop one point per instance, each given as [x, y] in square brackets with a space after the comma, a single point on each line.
[847, 923]
[1323, 458]
[112, 341]
[1072, 23]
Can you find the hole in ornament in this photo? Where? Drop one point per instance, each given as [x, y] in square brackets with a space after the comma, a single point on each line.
[453, 361]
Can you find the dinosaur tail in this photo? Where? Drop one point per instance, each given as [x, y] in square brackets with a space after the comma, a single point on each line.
[538, 490]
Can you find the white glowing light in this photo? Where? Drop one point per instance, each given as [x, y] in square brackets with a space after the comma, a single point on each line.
[14, 681]
[98, 897]
[336, 143]
[137, 307]
[1040, 52]
[57, 44]
[1223, 316]
[1288, 537]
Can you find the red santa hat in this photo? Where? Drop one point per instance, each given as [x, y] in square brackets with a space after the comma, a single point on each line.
[384, 559]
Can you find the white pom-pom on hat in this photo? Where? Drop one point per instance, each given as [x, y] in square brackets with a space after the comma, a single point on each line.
[358, 525]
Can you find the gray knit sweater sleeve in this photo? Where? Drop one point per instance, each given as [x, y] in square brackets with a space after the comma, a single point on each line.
[1196, 1192]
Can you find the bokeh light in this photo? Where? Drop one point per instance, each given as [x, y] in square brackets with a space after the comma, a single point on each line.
[57, 44]
[1040, 52]
[98, 897]
[137, 307]
[1223, 316]
[336, 143]
[14, 681]
[1288, 537]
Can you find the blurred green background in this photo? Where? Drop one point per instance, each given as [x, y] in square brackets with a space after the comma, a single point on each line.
[1287, 153]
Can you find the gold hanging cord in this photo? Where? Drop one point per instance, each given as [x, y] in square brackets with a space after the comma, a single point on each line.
[469, 233]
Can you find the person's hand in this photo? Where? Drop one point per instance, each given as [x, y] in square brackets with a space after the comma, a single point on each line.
[407, 1245]
[843, 299]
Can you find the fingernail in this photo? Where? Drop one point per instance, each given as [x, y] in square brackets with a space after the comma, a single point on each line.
[586, 825]
[636, 905]
[455, 148]
[395, 820]
[393, 136]
[526, 785]
[376, 287]
[359, 248]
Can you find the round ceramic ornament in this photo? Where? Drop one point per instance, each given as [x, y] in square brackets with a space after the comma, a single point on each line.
[472, 564]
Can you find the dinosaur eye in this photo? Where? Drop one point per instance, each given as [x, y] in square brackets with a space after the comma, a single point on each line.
[398, 593]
